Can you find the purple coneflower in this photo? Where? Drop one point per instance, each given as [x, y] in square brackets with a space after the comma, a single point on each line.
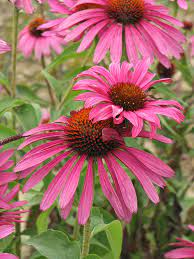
[6, 164]
[77, 141]
[4, 47]
[26, 5]
[32, 38]
[146, 29]
[184, 248]
[122, 93]
[10, 212]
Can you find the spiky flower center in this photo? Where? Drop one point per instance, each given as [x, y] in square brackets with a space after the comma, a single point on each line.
[85, 137]
[126, 11]
[88, 6]
[128, 96]
[33, 27]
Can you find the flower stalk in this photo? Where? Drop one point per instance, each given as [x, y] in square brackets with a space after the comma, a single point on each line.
[10, 139]
[50, 90]
[86, 240]
[14, 49]
[76, 230]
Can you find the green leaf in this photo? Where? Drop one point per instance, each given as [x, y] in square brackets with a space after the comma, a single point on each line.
[185, 69]
[4, 80]
[29, 115]
[114, 235]
[69, 52]
[43, 221]
[92, 257]
[55, 245]
[29, 94]
[55, 84]
[5, 242]
[6, 104]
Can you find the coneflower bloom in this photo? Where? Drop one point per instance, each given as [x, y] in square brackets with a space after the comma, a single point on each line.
[8, 256]
[76, 141]
[122, 93]
[143, 27]
[26, 5]
[192, 45]
[31, 38]
[4, 47]
[184, 248]
[183, 4]
[59, 7]
[46, 116]
[6, 164]
[10, 212]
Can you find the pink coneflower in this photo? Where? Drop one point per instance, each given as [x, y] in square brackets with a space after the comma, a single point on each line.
[8, 256]
[183, 4]
[6, 164]
[192, 45]
[31, 38]
[121, 93]
[76, 141]
[9, 211]
[58, 7]
[185, 248]
[4, 47]
[45, 118]
[61, 7]
[26, 5]
[146, 29]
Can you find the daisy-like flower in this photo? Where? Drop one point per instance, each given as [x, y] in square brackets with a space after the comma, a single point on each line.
[8, 256]
[46, 116]
[31, 38]
[61, 7]
[77, 141]
[122, 93]
[183, 4]
[6, 164]
[192, 45]
[10, 212]
[26, 5]
[4, 47]
[184, 248]
[144, 28]
[58, 7]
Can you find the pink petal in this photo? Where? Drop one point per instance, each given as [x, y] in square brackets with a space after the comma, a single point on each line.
[86, 199]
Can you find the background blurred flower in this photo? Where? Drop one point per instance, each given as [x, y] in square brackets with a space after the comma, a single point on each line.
[185, 248]
[8, 256]
[4, 47]
[5, 164]
[9, 210]
[61, 7]
[144, 26]
[45, 116]
[121, 93]
[26, 5]
[192, 45]
[31, 38]
[79, 140]
[183, 4]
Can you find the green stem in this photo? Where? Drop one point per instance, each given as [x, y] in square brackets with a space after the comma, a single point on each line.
[14, 49]
[50, 90]
[7, 90]
[76, 230]
[86, 240]
[13, 93]
[66, 95]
